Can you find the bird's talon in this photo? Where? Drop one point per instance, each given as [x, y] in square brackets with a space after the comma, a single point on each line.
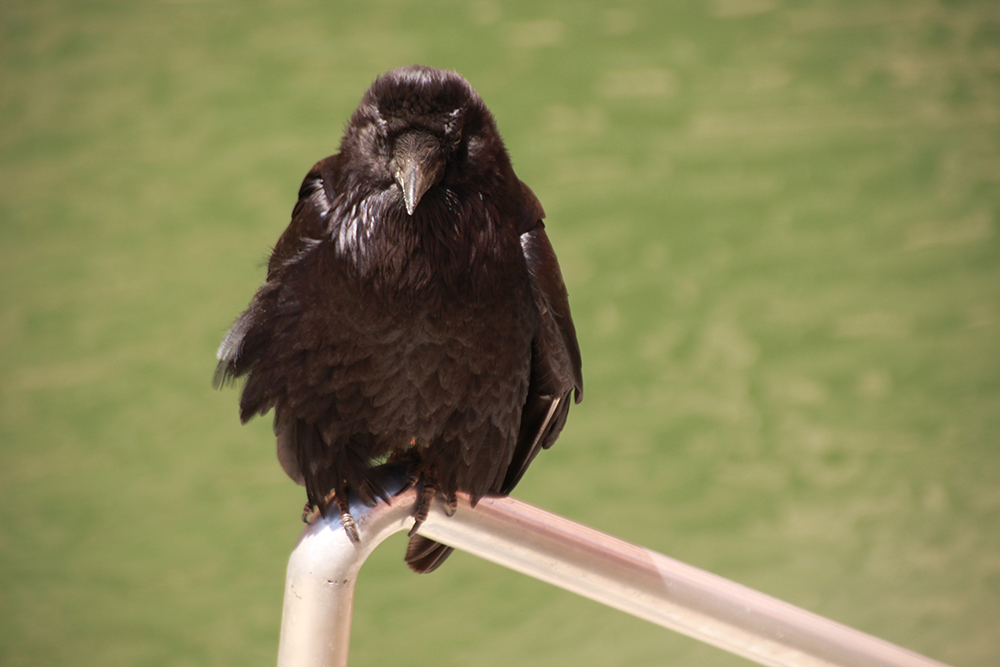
[310, 513]
[350, 527]
[425, 494]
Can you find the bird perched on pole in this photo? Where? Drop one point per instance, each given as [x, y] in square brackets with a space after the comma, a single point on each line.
[413, 311]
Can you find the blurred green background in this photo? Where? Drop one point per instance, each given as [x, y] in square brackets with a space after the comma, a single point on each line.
[778, 225]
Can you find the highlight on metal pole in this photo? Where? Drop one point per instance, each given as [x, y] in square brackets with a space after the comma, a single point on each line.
[324, 565]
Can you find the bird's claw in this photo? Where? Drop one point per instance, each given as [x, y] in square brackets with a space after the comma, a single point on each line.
[350, 527]
[425, 494]
[346, 520]
[310, 513]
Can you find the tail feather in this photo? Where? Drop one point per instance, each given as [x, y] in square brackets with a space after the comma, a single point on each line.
[424, 555]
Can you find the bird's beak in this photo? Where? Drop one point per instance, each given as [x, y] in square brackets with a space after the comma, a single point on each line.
[417, 164]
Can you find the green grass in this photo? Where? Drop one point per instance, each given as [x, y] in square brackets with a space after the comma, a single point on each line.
[778, 224]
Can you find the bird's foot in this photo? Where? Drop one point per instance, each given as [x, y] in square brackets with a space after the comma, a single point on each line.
[346, 520]
[350, 527]
[451, 506]
[311, 513]
[425, 494]
[412, 479]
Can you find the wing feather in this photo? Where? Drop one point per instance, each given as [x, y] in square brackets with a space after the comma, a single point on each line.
[556, 369]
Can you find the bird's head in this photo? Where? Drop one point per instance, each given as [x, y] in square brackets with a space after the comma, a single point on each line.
[419, 127]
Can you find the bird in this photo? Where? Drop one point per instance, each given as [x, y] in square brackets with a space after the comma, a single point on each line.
[413, 312]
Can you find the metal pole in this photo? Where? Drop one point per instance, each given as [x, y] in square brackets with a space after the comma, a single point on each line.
[322, 572]
[323, 568]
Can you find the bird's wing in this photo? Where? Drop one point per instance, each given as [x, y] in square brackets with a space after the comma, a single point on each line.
[555, 354]
[277, 323]
[309, 217]
[306, 320]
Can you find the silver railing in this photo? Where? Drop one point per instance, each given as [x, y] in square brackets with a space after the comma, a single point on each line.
[324, 566]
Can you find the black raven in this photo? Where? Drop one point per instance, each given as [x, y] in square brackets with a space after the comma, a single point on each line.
[413, 311]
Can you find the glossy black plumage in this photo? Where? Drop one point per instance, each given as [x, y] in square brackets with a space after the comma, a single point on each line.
[413, 309]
